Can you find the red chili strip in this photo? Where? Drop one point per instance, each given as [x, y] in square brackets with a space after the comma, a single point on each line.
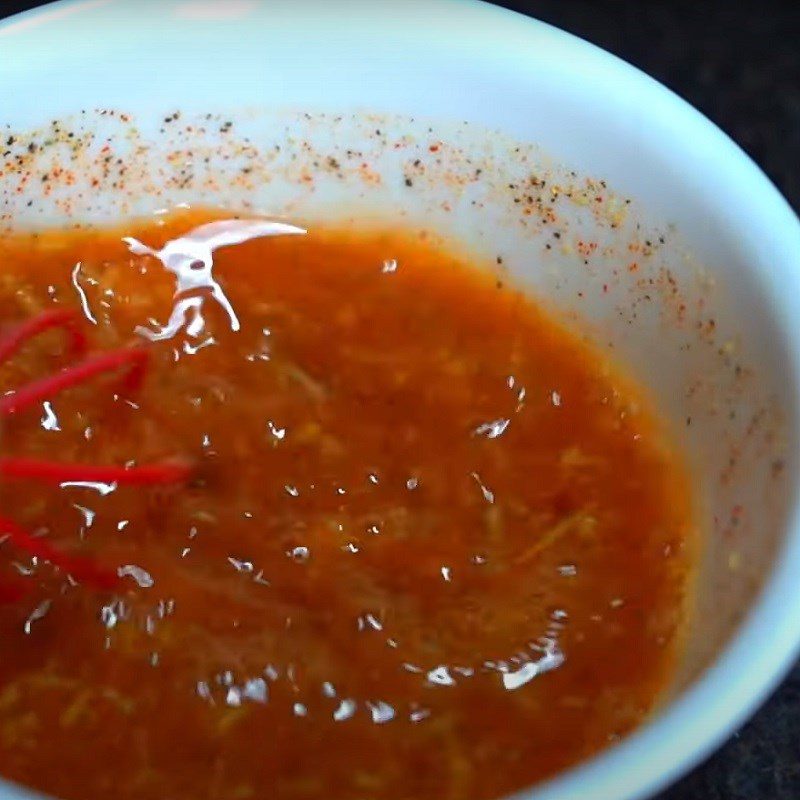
[164, 472]
[132, 358]
[82, 569]
[12, 341]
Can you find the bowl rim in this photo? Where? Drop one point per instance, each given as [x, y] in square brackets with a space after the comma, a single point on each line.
[767, 643]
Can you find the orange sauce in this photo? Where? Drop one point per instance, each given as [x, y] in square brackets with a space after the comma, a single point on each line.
[434, 545]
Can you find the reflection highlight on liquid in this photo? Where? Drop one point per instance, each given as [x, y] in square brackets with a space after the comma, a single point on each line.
[190, 259]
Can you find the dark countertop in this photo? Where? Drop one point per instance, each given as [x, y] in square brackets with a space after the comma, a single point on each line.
[739, 63]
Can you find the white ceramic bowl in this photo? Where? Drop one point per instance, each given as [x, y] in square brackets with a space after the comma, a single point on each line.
[480, 110]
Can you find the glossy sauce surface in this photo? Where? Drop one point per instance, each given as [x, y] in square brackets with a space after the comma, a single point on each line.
[435, 547]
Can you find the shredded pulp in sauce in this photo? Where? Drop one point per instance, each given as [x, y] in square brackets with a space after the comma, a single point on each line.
[432, 545]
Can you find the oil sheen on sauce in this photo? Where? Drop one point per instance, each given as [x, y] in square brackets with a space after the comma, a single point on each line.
[434, 546]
